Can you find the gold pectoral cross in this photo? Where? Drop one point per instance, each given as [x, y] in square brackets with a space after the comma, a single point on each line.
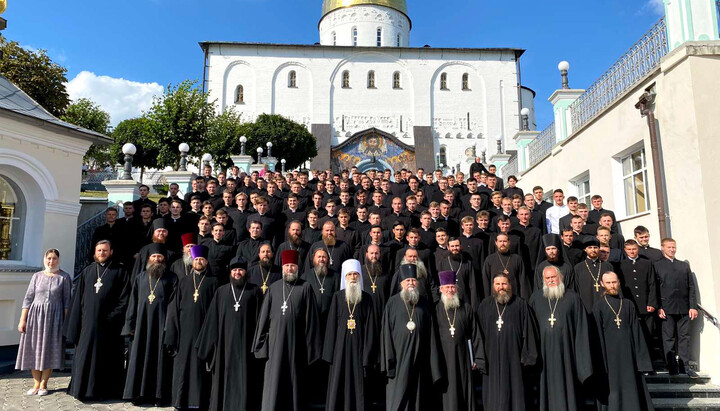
[597, 287]
[151, 298]
[196, 295]
[373, 288]
[452, 331]
[617, 320]
[264, 288]
[552, 320]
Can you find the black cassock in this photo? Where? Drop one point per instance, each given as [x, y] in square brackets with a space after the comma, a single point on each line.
[290, 340]
[410, 359]
[258, 275]
[586, 278]
[350, 354]
[93, 326]
[191, 382]
[625, 355]
[149, 371]
[507, 350]
[225, 343]
[497, 263]
[564, 350]
[380, 293]
[458, 394]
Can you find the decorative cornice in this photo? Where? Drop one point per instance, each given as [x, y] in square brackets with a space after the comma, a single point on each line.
[62, 207]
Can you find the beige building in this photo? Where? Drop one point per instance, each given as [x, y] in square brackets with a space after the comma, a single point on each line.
[40, 171]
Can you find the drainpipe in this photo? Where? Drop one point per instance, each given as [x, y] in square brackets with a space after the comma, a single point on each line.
[644, 104]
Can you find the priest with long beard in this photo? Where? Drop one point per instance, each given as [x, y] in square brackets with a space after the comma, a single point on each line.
[182, 266]
[425, 281]
[624, 350]
[459, 338]
[350, 342]
[553, 256]
[338, 251]
[510, 343]
[225, 343]
[511, 265]
[149, 371]
[564, 343]
[288, 336]
[263, 272]
[409, 352]
[186, 313]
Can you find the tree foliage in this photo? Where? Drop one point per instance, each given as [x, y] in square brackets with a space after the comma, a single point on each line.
[85, 113]
[223, 138]
[35, 74]
[141, 132]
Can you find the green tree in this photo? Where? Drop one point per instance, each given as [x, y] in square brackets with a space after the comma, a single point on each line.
[142, 133]
[223, 136]
[291, 140]
[35, 74]
[85, 113]
[181, 115]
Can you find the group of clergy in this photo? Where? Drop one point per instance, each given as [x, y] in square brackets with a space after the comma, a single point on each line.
[288, 300]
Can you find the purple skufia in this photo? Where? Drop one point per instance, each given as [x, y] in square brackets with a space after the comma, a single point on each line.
[199, 251]
[447, 277]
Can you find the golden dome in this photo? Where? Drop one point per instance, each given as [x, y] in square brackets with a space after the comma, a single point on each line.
[330, 5]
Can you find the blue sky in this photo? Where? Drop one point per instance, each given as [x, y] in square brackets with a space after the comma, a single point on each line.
[121, 53]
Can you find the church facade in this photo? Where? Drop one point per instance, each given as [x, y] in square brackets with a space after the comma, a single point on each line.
[369, 98]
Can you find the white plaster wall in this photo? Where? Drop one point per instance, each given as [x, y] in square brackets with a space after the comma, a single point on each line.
[367, 19]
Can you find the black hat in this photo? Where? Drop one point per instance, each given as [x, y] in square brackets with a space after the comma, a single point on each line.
[408, 271]
[590, 241]
[551, 240]
[238, 262]
[156, 248]
[159, 223]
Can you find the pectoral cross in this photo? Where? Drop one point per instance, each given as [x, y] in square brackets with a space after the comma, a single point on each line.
[151, 298]
[237, 305]
[499, 323]
[452, 331]
[264, 288]
[552, 320]
[322, 290]
[373, 288]
[597, 287]
[196, 294]
[98, 284]
[506, 272]
[284, 307]
[617, 320]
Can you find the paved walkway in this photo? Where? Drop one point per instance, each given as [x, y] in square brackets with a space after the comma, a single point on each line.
[14, 386]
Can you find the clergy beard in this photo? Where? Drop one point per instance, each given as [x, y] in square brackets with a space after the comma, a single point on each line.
[187, 260]
[155, 270]
[504, 249]
[554, 293]
[321, 270]
[101, 261]
[612, 292]
[455, 257]
[502, 298]
[450, 302]
[353, 293]
[265, 262]
[157, 240]
[374, 269]
[410, 296]
[290, 278]
[421, 269]
[328, 240]
[237, 283]
[295, 240]
[553, 259]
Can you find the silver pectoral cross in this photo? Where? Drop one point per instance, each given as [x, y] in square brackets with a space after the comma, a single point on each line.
[322, 290]
[237, 305]
[617, 320]
[452, 331]
[284, 307]
[97, 285]
[552, 320]
[499, 323]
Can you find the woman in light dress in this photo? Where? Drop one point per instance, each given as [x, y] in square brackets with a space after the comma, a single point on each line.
[44, 308]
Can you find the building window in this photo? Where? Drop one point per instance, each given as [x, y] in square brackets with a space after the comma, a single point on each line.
[466, 81]
[292, 79]
[371, 79]
[12, 213]
[346, 79]
[379, 37]
[396, 80]
[635, 185]
[334, 38]
[443, 81]
[582, 187]
[354, 36]
[442, 158]
[239, 95]
[397, 40]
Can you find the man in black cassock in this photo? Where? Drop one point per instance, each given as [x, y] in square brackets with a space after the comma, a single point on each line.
[460, 338]
[409, 352]
[350, 344]
[186, 313]
[338, 251]
[219, 253]
[588, 274]
[624, 352]
[182, 266]
[505, 262]
[263, 272]
[564, 343]
[159, 236]
[510, 345]
[553, 256]
[225, 343]
[460, 263]
[294, 241]
[288, 336]
[425, 281]
[149, 371]
[639, 287]
[93, 325]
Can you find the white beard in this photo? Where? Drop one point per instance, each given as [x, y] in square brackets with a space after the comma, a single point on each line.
[450, 302]
[421, 269]
[353, 293]
[554, 293]
[410, 296]
[187, 259]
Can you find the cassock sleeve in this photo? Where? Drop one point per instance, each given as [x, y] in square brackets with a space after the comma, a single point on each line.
[331, 330]
[530, 336]
[313, 339]
[172, 323]
[598, 315]
[692, 299]
[387, 348]
[642, 356]
[260, 341]
[73, 324]
[206, 342]
[131, 314]
[487, 286]
[583, 357]
[473, 294]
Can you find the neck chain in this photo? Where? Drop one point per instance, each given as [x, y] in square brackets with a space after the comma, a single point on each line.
[451, 267]
[500, 321]
[552, 318]
[196, 294]
[351, 320]
[617, 319]
[411, 324]
[329, 251]
[452, 323]
[373, 281]
[320, 283]
[504, 265]
[151, 297]
[264, 279]
[595, 278]
[285, 300]
[99, 282]
[237, 300]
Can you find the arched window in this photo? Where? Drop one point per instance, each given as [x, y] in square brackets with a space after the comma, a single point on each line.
[292, 79]
[239, 95]
[465, 81]
[379, 37]
[346, 79]
[396, 80]
[443, 155]
[371, 79]
[443, 81]
[12, 220]
[354, 36]
[334, 38]
[397, 40]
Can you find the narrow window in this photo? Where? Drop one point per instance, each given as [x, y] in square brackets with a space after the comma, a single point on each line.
[397, 41]
[371, 79]
[396, 80]
[239, 95]
[346, 79]
[355, 36]
[334, 38]
[443, 156]
[443, 81]
[292, 79]
[465, 81]
[379, 37]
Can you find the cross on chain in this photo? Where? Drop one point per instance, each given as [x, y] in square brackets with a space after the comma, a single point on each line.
[597, 287]
[322, 290]
[617, 320]
[373, 288]
[98, 284]
[552, 320]
[499, 323]
[196, 295]
[237, 305]
[264, 288]
[284, 307]
[452, 331]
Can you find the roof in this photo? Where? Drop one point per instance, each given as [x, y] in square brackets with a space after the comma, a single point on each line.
[518, 52]
[14, 100]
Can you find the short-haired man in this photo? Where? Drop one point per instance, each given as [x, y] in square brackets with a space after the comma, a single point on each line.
[642, 236]
[557, 211]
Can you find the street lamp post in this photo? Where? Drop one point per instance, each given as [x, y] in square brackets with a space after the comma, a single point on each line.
[525, 113]
[184, 148]
[259, 151]
[206, 159]
[129, 150]
[243, 140]
[269, 147]
[564, 66]
[282, 164]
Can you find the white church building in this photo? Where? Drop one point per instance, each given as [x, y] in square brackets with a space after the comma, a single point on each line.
[369, 98]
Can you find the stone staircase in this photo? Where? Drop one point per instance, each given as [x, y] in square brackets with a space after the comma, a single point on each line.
[680, 392]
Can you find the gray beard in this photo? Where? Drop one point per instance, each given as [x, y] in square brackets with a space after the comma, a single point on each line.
[353, 293]
[421, 269]
[374, 269]
[554, 293]
[290, 278]
[187, 260]
[156, 270]
[321, 270]
[502, 298]
[450, 302]
[410, 297]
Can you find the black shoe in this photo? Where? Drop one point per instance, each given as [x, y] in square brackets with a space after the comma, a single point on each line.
[691, 373]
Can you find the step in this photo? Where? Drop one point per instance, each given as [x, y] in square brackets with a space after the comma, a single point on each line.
[684, 390]
[665, 378]
[695, 404]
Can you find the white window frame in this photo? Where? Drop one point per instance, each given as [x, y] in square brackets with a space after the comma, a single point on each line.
[371, 79]
[292, 79]
[632, 209]
[397, 78]
[578, 188]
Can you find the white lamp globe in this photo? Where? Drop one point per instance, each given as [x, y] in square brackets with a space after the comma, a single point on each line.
[563, 65]
[525, 111]
[243, 139]
[282, 161]
[129, 149]
[269, 144]
[207, 157]
[184, 148]
[259, 150]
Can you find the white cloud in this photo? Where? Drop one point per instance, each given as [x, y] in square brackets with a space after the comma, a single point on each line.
[653, 6]
[121, 98]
